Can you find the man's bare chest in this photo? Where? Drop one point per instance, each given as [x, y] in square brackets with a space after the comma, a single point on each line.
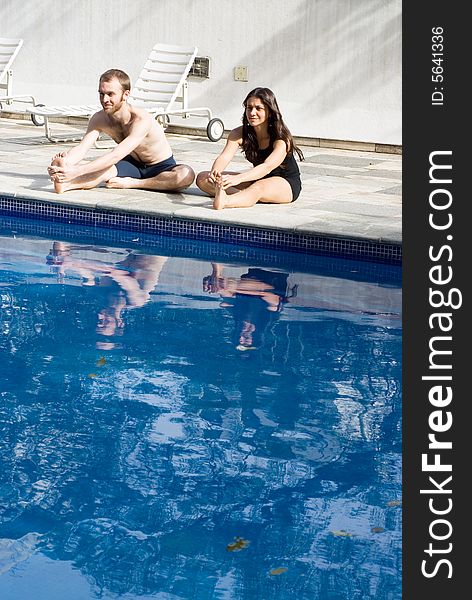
[118, 133]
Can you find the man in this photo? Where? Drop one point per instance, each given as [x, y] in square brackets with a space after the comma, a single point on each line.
[142, 158]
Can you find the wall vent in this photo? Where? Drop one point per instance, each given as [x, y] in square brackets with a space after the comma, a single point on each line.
[200, 67]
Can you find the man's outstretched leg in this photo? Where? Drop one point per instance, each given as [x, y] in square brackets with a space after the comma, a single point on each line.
[85, 182]
[175, 180]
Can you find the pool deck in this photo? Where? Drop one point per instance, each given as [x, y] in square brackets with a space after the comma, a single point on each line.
[352, 194]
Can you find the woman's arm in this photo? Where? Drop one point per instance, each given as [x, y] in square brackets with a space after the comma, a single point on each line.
[232, 145]
[211, 283]
[275, 158]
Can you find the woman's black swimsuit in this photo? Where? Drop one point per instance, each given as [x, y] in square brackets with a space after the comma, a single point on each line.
[287, 170]
[253, 308]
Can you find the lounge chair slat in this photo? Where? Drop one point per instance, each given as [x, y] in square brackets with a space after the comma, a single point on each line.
[9, 48]
[155, 86]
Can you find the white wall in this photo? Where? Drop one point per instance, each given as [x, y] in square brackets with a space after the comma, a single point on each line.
[334, 65]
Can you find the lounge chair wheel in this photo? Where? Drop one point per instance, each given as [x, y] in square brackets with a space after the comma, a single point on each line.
[37, 119]
[215, 129]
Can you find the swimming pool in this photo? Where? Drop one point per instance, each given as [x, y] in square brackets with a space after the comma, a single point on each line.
[189, 421]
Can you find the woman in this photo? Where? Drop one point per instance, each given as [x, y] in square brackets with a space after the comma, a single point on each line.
[268, 144]
[255, 299]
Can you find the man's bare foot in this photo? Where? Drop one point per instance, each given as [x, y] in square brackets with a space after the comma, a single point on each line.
[220, 195]
[121, 182]
[60, 188]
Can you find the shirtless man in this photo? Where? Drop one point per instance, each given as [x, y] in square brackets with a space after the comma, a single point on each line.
[142, 158]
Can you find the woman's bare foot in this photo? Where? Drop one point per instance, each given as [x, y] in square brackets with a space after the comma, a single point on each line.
[220, 195]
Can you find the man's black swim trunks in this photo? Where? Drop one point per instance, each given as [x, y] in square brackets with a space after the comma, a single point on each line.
[130, 167]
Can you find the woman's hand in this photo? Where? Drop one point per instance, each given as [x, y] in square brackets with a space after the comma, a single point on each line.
[214, 176]
[212, 284]
[227, 181]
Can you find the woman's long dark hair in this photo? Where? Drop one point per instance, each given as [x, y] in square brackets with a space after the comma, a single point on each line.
[277, 128]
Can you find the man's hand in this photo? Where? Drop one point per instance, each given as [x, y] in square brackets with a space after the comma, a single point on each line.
[59, 166]
[63, 173]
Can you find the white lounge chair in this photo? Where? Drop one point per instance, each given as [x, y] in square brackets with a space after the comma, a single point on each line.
[9, 49]
[161, 83]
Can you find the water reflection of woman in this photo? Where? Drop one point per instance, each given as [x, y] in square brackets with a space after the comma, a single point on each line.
[255, 299]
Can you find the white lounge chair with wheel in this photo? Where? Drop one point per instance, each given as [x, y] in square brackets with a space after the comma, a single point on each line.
[161, 84]
[9, 48]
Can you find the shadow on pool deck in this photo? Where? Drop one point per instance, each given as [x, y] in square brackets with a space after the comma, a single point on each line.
[346, 193]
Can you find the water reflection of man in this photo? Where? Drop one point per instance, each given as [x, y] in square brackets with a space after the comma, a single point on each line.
[129, 282]
[255, 298]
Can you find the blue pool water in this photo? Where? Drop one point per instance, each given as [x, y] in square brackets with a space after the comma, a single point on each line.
[197, 422]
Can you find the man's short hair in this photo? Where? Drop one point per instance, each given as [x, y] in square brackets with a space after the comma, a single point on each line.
[122, 77]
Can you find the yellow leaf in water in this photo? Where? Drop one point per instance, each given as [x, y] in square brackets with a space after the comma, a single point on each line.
[278, 571]
[237, 545]
[341, 533]
[377, 529]
[394, 503]
[101, 361]
[92, 375]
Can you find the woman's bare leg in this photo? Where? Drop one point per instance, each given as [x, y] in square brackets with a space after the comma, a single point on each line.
[274, 190]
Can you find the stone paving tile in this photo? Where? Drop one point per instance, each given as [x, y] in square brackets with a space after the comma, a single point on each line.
[351, 183]
[319, 171]
[344, 161]
[397, 190]
[388, 166]
[378, 199]
[378, 231]
[346, 193]
[358, 208]
[384, 174]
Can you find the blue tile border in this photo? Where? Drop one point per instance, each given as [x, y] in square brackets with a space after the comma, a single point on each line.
[348, 268]
[200, 230]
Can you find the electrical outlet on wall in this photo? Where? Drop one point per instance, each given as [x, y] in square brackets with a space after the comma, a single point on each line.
[240, 73]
